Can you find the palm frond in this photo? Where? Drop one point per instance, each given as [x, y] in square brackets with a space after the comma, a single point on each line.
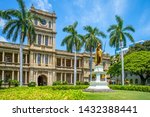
[13, 13]
[119, 21]
[124, 40]
[87, 28]
[129, 28]
[3, 15]
[112, 27]
[128, 35]
[8, 25]
[16, 32]
[10, 31]
[75, 24]
[22, 7]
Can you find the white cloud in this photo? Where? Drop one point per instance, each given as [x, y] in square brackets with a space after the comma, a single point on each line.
[98, 11]
[3, 39]
[2, 23]
[42, 4]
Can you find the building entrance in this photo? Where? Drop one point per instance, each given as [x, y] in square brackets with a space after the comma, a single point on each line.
[42, 80]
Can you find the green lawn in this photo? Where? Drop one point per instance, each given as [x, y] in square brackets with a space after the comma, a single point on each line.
[118, 95]
[49, 93]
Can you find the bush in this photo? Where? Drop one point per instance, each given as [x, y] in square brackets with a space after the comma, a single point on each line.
[57, 83]
[69, 87]
[131, 87]
[86, 83]
[10, 82]
[65, 83]
[32, 84]
[1, 81]
[15, 83]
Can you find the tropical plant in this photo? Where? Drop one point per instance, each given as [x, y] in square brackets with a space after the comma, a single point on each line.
[19, 24]
[32, 84]
[73, 41]
[1, 81]
[118, 35]
[91, 41]
[138, 65]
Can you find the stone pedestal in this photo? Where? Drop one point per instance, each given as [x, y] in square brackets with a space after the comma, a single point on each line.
[98, 85]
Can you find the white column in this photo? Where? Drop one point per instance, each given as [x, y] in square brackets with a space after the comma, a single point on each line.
[79, 63]
[25, 77]
[18, 58]
[71, 78]
[26, 59]
[18, 75]
[44, 59]
[36, 58]
[71, 62]
[65, 62]
[3, 59]
[61, 59]
[13, 58]
[12, 75]
[3, 75]
[43, 40]
[65, 77]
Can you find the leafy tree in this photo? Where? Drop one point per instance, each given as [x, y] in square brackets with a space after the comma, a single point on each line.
[73, 41]
[19, 24]
[137, 63]
[118, 37]
[91, 41]
[140, 47]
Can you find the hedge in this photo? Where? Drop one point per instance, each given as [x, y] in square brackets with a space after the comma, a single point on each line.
[131, 88]
[68, 87]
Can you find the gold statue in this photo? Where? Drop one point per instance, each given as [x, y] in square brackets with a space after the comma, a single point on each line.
[98, 55]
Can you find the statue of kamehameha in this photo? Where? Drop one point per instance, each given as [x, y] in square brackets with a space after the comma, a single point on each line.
[98, 55]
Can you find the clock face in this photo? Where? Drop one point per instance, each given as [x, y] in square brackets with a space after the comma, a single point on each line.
[43, 22]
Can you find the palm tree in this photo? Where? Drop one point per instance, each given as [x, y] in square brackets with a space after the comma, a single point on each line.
[118, 36]
[73, 41]
[19, 24]
[91, 40]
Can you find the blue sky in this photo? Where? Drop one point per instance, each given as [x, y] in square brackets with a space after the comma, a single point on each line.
[97, 13]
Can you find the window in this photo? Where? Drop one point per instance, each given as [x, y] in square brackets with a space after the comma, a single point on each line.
[35, 22]
[39, 58]
[50, 24]
[46, 40]
[8, 57]
[43, 22]
[51, 41]
[46, 59]
[39, 39]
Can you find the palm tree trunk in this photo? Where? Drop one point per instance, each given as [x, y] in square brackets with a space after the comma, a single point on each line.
[91, 65]
[122, 63]
[75, 67]
[21, 57]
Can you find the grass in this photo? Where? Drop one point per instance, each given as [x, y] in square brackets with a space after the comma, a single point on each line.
[118, 95]
[51, 93]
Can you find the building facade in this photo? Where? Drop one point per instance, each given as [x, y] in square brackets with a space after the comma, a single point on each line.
[42, 62]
